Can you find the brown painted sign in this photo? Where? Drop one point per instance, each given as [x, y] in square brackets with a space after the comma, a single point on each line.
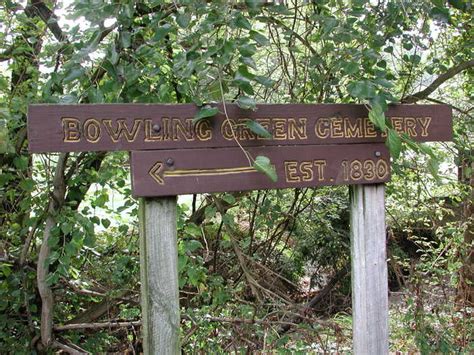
[68, 128]
[174, 172]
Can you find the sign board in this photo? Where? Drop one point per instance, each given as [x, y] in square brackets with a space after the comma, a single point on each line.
[106, 127]
[175, 172]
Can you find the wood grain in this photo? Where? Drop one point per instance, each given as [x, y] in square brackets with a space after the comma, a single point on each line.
[159, 276]
[127, 127]
[369, 270]
[175, 172]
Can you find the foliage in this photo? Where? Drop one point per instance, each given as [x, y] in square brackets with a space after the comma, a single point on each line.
[248, 262]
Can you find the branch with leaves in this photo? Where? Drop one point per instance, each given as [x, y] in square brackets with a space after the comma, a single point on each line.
[450, 73]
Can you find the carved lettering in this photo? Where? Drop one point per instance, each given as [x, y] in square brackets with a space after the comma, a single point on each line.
[279, 128]
[321, 129]
[425, 123]
[320, 166]
[410, 126]
[353, 131]
[369, 129]
[121, 129]
[306, 168]
[291, 171]
[337, 129]
[227, 130]
[92, 130]
[203, 130]
[297, 130]
[182, 129]
[71, 129]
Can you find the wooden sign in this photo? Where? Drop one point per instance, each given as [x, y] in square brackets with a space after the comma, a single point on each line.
[70, 128]
[175, 172]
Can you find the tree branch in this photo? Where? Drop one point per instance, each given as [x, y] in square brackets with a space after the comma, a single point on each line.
[38, 8]
[98, 325]
[437, 82]
[46, 294]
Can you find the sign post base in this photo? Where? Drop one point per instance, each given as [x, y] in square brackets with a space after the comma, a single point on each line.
[159, 276]
[369, 270]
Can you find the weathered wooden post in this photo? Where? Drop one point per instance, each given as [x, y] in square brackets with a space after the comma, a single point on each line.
[369, 270]
[159, 276]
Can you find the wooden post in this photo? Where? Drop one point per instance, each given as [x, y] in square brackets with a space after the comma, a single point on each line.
[369, 270]
[159, 276]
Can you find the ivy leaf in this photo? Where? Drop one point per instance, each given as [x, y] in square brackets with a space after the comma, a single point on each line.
[249, 62]
[126, 39]
[243, 79]
[377, 117]
[258, 129]
[246, 103]
[259, 38]
[73, 74]
[105, 222]
[441, 14]
[379, 102]
[263, 164]
[230, 199]
[350, 67]
[394, 143]
[114, 57]
[183, 19]
[265, 81]
[242, 22]
[204, 112]
[161, 32]
[361, 89]
[247, 50]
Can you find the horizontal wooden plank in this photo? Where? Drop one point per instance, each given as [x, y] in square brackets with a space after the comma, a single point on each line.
[175, 172]
[68, 128]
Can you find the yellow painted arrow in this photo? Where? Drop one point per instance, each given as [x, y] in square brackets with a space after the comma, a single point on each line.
[158, 174]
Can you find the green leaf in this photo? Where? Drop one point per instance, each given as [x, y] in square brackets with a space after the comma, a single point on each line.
[246, 103]
[379, 102]
[377, 117]
[259, 38]
[264, 165]
[192, 245]
[73, 74]
[265, 81]
[242, 22]
[350, 67]
[243, 79]
[441, 14]
[161, 32]
[183, 19]
[361, 89]
[258, 129]
[27, 185]
[230, 199]
[247, 50]
[66, 227]
[394, 143]
[248, 61]
[204, 112]
[105, 222]
[125, 39]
